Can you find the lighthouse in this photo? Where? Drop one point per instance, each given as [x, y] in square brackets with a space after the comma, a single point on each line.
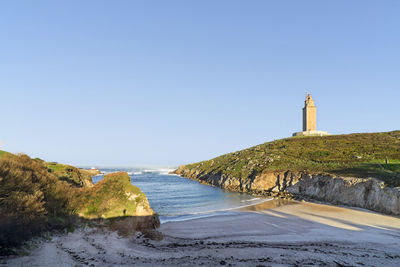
[310, 119]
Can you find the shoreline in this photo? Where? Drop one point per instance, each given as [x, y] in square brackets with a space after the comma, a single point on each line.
[209, 213]
[278, 232]
[321, 217]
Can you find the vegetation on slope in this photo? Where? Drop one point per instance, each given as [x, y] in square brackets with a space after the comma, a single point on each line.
[359, 155]
[31, 200]
[70, 174]
[114, 196]
[5, 154]
[35, 198]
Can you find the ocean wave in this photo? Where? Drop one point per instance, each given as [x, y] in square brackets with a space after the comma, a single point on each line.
[150, 171]
[251, 199]
[140, 170]
[134, 172]
[166, 171]
[232, 208]
[209, 213]
[158, 170]
[187, 217]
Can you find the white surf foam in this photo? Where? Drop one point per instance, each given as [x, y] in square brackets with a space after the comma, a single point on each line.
[158, 170]
[249, 200]
[209, 213]
[232, 208]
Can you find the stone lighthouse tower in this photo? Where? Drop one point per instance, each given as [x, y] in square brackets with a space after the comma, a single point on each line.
[309, 115]
[310, 119]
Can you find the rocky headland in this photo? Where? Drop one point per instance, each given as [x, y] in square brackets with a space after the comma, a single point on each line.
[361, 170]
[368, 193]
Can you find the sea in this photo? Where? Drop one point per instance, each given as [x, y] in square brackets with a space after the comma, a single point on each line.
[176, 198]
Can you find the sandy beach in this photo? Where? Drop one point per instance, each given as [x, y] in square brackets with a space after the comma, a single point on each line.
[273, 233]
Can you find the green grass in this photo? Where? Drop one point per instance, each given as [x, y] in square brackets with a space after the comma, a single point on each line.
[69, 174]
[35, 198]
[359, 155]
[55, 167]
[112, 197]
[5, 154]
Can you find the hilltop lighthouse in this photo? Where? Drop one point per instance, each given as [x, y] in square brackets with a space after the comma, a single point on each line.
[309, 115]
[310, 119]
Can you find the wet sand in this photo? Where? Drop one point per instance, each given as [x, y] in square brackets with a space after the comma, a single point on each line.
[274, 233]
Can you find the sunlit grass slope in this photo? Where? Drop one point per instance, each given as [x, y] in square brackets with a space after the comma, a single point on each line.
[37, 196]
[359, 155]
[114, 196]
[70, 174]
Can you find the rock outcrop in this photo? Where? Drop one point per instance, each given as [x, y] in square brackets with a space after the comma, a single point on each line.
[369, 193]
[114, 196]
[115, 202]
[72, 175]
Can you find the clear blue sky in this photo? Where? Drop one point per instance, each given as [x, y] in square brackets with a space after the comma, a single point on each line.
[173, 82]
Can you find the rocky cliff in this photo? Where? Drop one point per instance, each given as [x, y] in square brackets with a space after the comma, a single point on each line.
[367, 193]
[335, 169]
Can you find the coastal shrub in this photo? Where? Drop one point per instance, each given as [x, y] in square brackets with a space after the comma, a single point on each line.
[35, 197]
[31, 200]
[72, 175]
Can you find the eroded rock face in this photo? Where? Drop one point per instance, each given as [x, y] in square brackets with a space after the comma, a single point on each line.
[366, 193]
[274, 181]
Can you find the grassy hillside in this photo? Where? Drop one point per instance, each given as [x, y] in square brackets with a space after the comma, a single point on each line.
[32, 200]
[114, 196]
[37, 196]
[70, 174]
[359, 155]
[5, 154]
